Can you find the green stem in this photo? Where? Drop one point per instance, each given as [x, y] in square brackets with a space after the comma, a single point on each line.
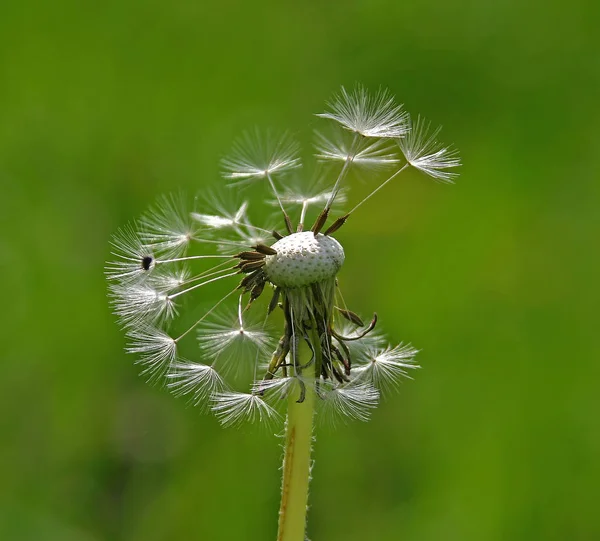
[297, 460]
[296, 468]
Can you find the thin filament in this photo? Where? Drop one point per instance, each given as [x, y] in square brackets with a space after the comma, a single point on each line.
[379, 187]
[285, 214]
[192, 257]
[205, 315]
[207, 274]
[293, 340]
[349, 160]
[202, 284]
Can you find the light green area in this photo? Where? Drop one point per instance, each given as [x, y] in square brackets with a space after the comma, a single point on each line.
[106, 105]
[297, 461]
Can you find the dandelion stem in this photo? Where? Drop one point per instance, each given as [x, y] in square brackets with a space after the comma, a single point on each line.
[297, 458]
[296, 468]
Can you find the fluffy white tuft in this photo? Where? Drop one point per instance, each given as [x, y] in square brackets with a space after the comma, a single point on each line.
[256, 156]
[384, 368]
[223, 216]
[295, 195]
[353, 401]
[228, 228]
[167, 227]
[370, 115]
[424, 152]
[229, 341]
[276, 389]
[141, 302]
[200, 381]
[235, 409]
[130, 253]
[156, 349]
[171, 279]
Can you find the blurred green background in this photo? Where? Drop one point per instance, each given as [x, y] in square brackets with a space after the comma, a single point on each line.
[106, 105]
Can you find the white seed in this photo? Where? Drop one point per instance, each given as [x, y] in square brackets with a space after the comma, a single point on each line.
[304, 259]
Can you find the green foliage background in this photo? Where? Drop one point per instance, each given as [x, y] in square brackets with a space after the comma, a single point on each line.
[106, 105]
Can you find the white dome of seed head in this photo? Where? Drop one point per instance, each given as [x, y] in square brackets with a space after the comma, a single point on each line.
[304, 259]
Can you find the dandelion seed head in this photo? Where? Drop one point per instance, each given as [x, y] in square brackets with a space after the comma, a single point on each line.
[284, 272]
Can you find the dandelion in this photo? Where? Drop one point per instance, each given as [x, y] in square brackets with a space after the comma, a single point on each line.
[324, 358]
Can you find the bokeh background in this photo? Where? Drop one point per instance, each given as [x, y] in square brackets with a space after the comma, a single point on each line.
[106, 105]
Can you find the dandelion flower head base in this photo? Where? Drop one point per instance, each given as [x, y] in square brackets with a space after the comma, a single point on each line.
[303, 259]
[277, 273]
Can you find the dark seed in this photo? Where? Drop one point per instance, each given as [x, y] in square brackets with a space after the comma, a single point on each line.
[146, 262]
[337, 224]
[256, 291]
[348, 362]
[264, 249]
[249, 256]
[288, 224]
[246, 281]
[320, 221]
[249, 266]
[274, 300]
